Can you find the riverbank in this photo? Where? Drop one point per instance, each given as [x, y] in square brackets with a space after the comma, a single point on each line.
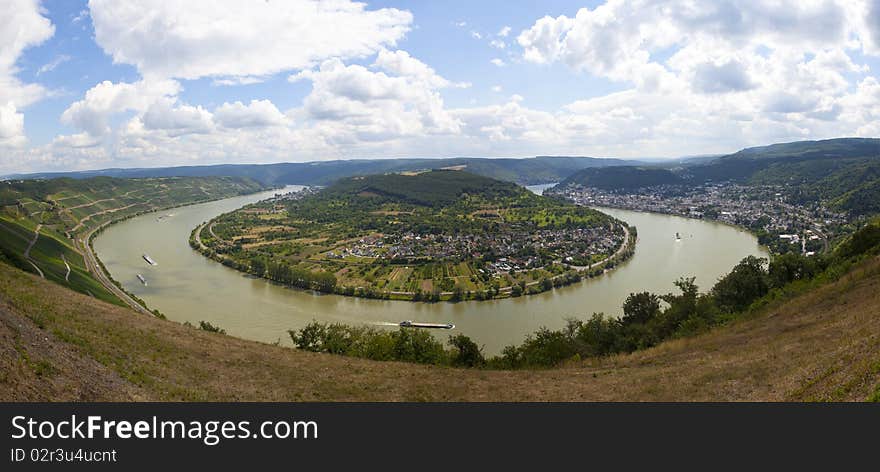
[97, 268]
[65, 346]
[188, 287]
[572, 274]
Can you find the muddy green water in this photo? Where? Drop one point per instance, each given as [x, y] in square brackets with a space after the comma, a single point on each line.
[186, 286]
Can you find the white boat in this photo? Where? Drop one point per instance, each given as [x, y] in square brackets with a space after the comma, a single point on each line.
[149, 260]
[142, 279]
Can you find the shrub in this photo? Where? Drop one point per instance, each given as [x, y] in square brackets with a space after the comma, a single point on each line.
[206, 326]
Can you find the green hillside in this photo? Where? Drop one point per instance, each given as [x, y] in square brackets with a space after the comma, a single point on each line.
[44, 223]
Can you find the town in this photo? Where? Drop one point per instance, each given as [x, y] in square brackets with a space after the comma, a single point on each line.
[780, 225]
[503, 252]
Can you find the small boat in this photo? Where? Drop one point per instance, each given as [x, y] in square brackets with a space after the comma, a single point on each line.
[142, 279]
[149, 259]
[413, 324]
[677, 237]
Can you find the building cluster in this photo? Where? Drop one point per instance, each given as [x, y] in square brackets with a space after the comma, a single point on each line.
[757, 207]
[504, 251]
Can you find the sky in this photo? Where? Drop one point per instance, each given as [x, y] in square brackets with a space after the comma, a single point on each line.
[103, 83]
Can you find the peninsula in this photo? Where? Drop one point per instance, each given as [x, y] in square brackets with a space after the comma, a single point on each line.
[421, 236]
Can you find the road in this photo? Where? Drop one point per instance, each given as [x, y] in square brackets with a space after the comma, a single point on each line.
[82, 245]
[27, 252]
[67, 275]
[199, 235]
[111, 210]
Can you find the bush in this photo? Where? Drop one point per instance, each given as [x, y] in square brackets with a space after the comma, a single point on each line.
[206, 326]
[410, 345]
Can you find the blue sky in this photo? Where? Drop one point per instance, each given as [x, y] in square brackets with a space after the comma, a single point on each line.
[104, 84]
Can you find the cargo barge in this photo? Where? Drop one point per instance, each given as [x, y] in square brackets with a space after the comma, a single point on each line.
[413, 324]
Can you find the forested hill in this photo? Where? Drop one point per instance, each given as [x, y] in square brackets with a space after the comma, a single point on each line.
[844, 173]
[623, 177]
[435, 188]
[828, 148]
[526, 171]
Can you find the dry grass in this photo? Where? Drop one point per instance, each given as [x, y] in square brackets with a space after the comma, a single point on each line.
[60, 345]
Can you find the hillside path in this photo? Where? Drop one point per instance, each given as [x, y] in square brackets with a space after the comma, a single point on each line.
[27, 251]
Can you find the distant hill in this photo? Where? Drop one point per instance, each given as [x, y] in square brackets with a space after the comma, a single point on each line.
[433, 188]
[622, 177]
[525, 171]
[827, 148]
[844, 173]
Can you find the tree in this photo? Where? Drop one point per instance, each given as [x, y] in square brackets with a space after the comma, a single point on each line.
[744, 284]
[457, 294]
[786, 268]
[516, 290]
[258, 266]
[640, 308]
[467, 353]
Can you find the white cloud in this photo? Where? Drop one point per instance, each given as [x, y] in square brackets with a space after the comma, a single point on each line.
[22, 25]
[258, 113]
[720, 78]
[871, 32]
[93, 112]
[78, 140]
[177, 120]
[497, 44]
[401, 63]
[695, 77]
[476, 35]
[352, 102]
[11, 126]
[53, 64]
[617, 39]
[200, 38]
[238, 80]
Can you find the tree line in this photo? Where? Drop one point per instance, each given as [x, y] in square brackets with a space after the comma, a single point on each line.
[647, 320]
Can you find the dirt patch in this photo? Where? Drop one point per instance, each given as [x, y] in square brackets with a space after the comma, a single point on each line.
[36, 366]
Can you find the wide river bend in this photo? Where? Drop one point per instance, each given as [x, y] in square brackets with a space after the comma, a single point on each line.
[187, 286]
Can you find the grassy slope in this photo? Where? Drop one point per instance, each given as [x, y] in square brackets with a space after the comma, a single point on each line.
[56, 344]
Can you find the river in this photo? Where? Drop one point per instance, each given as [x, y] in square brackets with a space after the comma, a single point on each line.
[187, 286]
